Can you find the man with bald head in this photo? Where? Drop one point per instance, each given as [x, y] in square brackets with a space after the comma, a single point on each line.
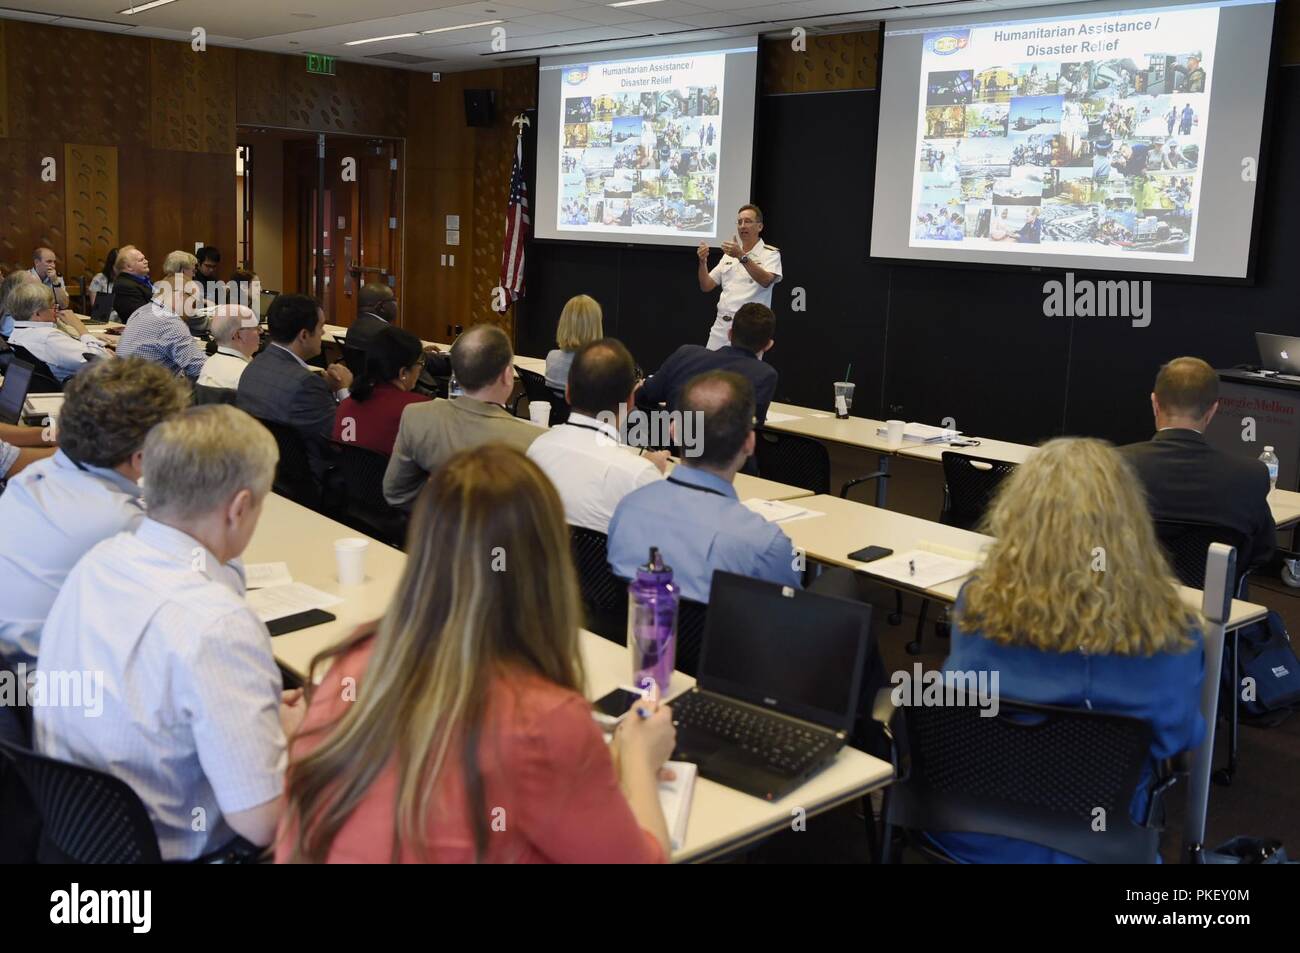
[158, 331]
[235, 330]
[45, 268]
[432, 431]
[695, 517]
[376, 309]
[132, 289]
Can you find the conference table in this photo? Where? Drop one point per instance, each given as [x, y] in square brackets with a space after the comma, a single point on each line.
[847, 526]
[721, 821]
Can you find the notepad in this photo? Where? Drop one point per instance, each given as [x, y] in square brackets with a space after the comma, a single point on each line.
[675, 799]
[261, 575]
[279, 601]
[778, 511]
[919, 568]
[922, 433]
[39, 405]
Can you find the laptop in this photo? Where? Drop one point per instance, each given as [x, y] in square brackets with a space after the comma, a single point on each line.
[1278, 352]
[777, 690]
[13, 393]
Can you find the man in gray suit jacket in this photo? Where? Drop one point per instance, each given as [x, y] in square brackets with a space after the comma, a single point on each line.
[431, 432]
[280, 386]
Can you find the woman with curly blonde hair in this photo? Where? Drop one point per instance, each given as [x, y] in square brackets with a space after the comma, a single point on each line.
[1075, 605]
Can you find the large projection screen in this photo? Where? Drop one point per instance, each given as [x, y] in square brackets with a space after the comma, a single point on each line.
[652, 146]
[1101, 136]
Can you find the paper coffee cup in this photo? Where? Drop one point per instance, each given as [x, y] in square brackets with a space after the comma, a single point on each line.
[894, 431]
[350, 555]
[539, 412]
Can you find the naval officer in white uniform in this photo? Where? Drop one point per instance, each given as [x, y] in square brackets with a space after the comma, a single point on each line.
[747, 272]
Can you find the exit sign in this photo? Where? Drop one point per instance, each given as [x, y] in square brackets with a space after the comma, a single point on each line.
[320, 63]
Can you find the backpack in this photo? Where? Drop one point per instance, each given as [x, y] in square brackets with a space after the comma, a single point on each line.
[1265, 656]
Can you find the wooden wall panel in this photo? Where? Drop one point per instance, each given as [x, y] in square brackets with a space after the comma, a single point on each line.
[360, 100]
[836, 62]
[90, 206]
[76, 85]
[192, 98]
[172, 199]
[260, 91]
[31, 209]
[4, 85]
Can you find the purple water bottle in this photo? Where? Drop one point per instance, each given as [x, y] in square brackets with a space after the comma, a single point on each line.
[652, 623]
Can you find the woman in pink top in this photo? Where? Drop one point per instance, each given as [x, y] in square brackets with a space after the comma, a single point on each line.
[454, 729]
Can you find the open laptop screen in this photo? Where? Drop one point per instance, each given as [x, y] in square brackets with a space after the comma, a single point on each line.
[793, 652]
[13, 393]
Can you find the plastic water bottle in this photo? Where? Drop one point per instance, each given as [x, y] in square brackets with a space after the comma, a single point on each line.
[1269, 459]
[454, 389]
[652, 623]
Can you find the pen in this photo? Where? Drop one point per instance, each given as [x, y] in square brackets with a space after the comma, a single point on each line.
[911, 567]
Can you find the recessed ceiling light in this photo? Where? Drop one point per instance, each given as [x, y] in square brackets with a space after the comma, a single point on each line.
[632, 3]
[463, 26]
[143, 7]
[304, 16]
[380, 39]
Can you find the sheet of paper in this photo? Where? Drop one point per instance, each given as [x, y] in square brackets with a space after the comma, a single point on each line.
[261, 575]
[280, 601]
[919, 568]
[44, 403]
[774, 418]
[675, 799]
[777, 511]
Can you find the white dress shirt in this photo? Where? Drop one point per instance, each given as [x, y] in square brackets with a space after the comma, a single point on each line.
[64, 354]
[224, 368]
[590, 469]
[51, 515]
[739, 288]
[190, 699]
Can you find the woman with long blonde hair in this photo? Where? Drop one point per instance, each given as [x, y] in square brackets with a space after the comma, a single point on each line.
[581, 322]
[455, 729]
[1075, 605]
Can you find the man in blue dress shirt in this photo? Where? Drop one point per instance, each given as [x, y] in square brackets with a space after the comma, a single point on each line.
[695, 517]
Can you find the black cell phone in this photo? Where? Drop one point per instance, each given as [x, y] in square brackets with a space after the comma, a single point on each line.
[870, 554]
[610, 709]
[299, 620]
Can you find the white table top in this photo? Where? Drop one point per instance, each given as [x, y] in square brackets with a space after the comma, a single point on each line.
[721, 820]
[850, 526]
[756, 488]
[1285, 505]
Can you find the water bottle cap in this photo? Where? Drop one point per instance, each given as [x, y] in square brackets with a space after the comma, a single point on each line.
[1268, 449]
[655, 565]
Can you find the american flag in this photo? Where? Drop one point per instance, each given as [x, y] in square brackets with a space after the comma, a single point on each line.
[517, 225]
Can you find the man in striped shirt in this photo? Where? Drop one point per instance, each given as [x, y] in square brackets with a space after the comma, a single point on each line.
[157, 332]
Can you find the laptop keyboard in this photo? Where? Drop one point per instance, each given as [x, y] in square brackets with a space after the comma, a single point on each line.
[784, 745]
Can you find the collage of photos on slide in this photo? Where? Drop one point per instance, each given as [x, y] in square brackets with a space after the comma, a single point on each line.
[1094, 153]
[642, 159]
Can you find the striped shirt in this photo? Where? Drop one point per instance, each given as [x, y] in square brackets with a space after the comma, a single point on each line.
[163, 337]
[189, 708]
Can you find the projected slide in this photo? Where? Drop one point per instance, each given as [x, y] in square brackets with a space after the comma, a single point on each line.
[640, 146]
[1082, 135]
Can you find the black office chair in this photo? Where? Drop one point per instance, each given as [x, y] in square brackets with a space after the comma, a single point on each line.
[43, 379]
[355, 358]
[87, 816]
[1186, 545]
[359, 473]
[293, 472]
[535, 388]
[691, 619]
[1036, 773]
[20, 824]
[204, 394]
[604, 595]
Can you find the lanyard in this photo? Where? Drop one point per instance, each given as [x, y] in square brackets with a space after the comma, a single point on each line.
[692, 486]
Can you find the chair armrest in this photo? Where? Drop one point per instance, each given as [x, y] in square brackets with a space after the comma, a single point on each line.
[878, 475]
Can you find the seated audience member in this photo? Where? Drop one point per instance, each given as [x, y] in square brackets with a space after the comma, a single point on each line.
[102, 283]
[694, 517]
[53, 512]
[751, 334]
[235, 331]
[370, 416]
[178, 271]
[581, 322]
[45, 268]
[431, 432]
[207, 262]
[469, 698]
[32, 307]
[280, 386]
[1186, 479]
[1118, 641]
[192, 714]
[376, 310]
[132, 288]
[582, 457]
[157, 332]
[11, 281]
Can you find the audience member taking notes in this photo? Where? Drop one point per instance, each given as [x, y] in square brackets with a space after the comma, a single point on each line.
[53, 512]
[695, 516]
[583, 457]
[465, 735]
[1059, 632]
[432, 432]
[193, 718]
[1189, 481]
